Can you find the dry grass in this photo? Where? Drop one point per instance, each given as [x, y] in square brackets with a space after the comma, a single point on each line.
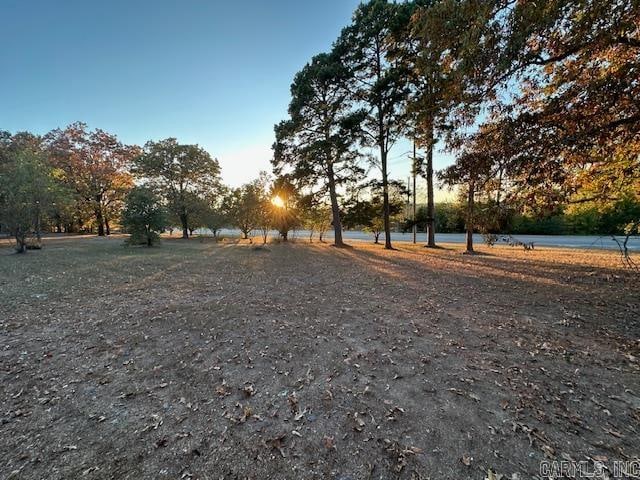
[204, 360]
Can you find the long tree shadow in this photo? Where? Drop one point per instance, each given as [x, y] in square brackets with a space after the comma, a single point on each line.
[550, 289]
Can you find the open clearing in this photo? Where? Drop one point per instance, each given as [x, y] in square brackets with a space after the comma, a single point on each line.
[205, 361]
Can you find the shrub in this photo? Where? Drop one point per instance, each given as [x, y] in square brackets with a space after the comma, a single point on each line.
[143, 217]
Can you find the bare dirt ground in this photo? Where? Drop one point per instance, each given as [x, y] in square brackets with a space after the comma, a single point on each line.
[206, 361]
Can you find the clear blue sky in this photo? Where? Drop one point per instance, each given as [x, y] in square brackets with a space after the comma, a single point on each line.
[208, 72]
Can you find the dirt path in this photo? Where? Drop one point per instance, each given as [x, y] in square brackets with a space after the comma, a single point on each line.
[197, 360]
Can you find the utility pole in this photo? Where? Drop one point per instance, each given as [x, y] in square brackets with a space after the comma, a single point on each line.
[414, 173]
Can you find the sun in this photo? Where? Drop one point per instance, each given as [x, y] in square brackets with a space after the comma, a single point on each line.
[277, 201]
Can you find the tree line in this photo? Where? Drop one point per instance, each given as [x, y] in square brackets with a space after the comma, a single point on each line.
[76, 180]
[538, 101]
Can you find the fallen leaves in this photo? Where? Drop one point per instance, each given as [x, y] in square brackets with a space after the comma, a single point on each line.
[613, 432]
[463, 393]
[223, 389]
[302, 387]
[466, 460]
[249, 390]
[293, 402]
[277, 443]
[491, 475]
[359, 423]
[161, 442]
[157, 421]
[329, 442]
[399, 453]
[392, 413]
[536, 438]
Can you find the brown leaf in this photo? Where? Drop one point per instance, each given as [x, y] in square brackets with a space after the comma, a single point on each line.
[249, 390]
[328, 443]
[293, 402]
[276, 443]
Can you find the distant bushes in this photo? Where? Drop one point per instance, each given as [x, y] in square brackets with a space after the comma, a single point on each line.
[580, 220]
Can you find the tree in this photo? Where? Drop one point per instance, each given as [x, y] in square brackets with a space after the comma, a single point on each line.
[380, 82]
[560, 79]
[208, 211]
[213, 214]
[244, 207]
[476, 166]
[94, 165]
[266, 208]
[315, 217]
[27, 193]
[365, 209]
[178, 172]
[286, 209]
[435, 87]
[143, 216]
[318, 141]
[114, 200]
[366, 215]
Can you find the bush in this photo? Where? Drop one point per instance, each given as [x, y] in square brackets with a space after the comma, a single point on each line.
[143, 217]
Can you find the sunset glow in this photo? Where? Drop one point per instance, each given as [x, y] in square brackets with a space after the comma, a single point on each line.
[277, 201]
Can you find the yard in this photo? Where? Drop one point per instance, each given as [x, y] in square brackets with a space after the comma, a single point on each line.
[209, 360]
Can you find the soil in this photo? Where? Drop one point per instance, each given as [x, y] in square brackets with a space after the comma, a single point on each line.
[205, 360]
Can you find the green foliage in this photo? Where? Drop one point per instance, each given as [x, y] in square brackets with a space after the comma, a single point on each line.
[449, 218]
[581, 220]
[365, 209]
[316, 147]
[27, 194]
[179, 173]
[315, 218]
[380, 83]
[244, 207]
[143, 217]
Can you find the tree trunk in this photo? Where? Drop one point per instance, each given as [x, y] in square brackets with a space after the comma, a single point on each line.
[21, 242]
[414, 174]
[99, 216]
[376, 237]
[431, 210]
[470, 208]
[107, 226]
[385, 199]
[38, 225]
[185, 224]
[285, 236]
[382, 134]
[335, 210]
[99, 222]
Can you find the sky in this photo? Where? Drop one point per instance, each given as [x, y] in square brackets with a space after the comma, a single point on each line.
[204, 71]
